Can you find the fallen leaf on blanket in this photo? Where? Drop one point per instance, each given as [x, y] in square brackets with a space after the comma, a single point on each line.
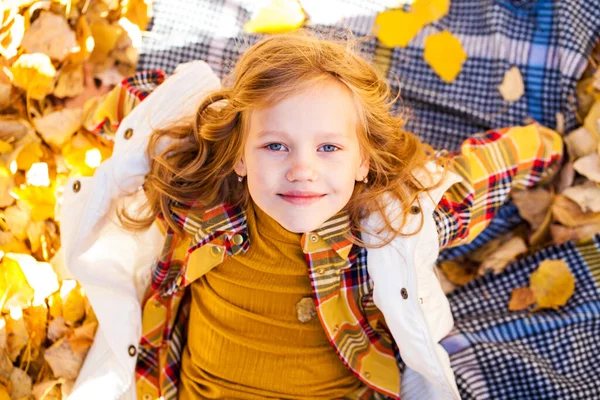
[444, 53]
[506, 253]
[138, 12]
[397, 27]
[568, 213]
[589, 166]
[561, 234]
[277, 17]
[580, 143]
[512, 87]
[17, 335]
[565, 177]
[431, 10]
[552, 283]
[521, 298]
[459, 273]
[15, 291]
[4, 392]
[50, 34]
[21, 384]
[591, 120]
[533, 205]
[35, 74]
[587, 196]
[58, 127]
[40, 276]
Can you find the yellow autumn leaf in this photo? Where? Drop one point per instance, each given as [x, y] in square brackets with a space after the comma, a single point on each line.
[512, 87]
[552, 283]
[14, 288]
[40, 199]
[444, 53]
[70, 81]
[5, 147]
[4, 393]
[105, 38]
[34, 73]
[431, 10]
[85, 41]
[138, 12]
[591, 120]
[15, 29]
[397, 27]
[30, 154]
[458, 273]
[40, 276]
[73, 301]
[277, 17]
[58, 127]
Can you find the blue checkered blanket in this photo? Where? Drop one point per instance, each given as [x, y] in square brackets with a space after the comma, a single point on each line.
[495, 353]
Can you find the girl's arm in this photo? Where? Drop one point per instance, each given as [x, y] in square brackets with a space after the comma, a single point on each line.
[492, 165]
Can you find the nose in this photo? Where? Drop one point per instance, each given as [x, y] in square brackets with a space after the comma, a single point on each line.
[302, 168]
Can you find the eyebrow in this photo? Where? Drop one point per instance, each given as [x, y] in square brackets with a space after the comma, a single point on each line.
[284, 133]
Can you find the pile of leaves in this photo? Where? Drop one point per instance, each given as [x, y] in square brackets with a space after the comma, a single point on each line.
[567, 210]
[58, 59]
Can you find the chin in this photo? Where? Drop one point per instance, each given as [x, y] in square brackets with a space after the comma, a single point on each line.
[300, 228]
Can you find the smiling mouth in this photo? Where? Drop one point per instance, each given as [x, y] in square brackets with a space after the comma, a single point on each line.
[301, 200]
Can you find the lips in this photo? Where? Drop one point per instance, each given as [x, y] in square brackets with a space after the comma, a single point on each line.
[301, 198]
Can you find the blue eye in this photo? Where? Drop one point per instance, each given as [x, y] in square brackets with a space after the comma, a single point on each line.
[331, 147]
[274, 144]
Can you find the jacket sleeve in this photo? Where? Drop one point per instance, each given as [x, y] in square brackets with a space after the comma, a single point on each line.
[104, 116]
[492, 165]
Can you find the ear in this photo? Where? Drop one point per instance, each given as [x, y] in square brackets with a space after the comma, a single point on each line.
[362, 170]
[240, 168]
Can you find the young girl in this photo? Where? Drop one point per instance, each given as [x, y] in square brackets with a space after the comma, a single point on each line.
[299, 227]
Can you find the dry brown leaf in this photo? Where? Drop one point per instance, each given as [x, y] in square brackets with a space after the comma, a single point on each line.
[580, 143]
[447, 286]
[561, 234]
[512, 87]
[565, 177]
[5, 92]
[36, 320]
[6, 366]
[458, 273]
[542, 235]
[506, 253]
[553, 284]
[50, 34]
[66, 356]
[521, 298]
[70, 81]
[67, 387]
[17, 219]
[57, 329]
[589, 166]
[533, 205]
[14, 128]
[568, 213]
[57, 128]
[47, 390]
[3, 334]
[587, 196]
[21, 384]
[17, 333]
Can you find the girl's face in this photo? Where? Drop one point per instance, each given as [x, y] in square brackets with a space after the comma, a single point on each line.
[302, 156]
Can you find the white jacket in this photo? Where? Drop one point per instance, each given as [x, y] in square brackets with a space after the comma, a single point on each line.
[114, 265]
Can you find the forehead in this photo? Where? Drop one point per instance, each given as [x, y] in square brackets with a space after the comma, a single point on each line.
[327, 107]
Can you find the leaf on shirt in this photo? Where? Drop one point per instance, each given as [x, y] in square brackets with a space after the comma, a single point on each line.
[568, 213]
[512, 87]
[521, 298]
[580, 143]
[589, 166]
[586, 195]
[561, 234]
[445, 55]
[533, 205]
[305, 309]
[398, 27]
[504, 255]
[459, 273]
[553, 284]
[277, 17]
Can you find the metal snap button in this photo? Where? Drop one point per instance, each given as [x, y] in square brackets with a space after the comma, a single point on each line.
[128, 133]
[404, 293]
[76, 186]
[132, 351]
[421, 300]
[336, 328]
[415, 210]
[367, 375]
[313, 237]
[216, 251]
[238, 239]
[320, 271]
[147, 397]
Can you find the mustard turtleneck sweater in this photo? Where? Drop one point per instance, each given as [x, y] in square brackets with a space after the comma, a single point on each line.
[244, 337]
